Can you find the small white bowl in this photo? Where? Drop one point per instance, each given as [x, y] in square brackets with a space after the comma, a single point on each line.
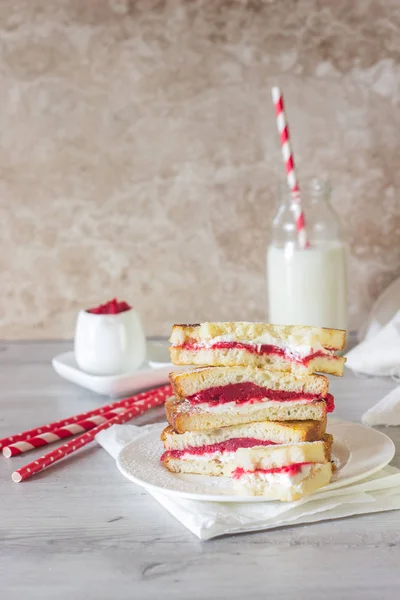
[109, 344]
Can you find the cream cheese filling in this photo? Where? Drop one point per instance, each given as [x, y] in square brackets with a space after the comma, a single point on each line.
[283, 479]
[223, 457]
[297, 349]
[246, 407]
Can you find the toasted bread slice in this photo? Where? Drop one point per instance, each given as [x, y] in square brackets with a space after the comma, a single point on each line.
[224, 463]
[192, 382]
[277, 487]
[230, 357]
[194, 466]
[285, 432]
[299, 349]
[298, 335]
[183, 416]
[281, 455]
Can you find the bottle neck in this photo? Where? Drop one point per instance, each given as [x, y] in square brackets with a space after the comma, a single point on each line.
[313, 193]
[321, 222]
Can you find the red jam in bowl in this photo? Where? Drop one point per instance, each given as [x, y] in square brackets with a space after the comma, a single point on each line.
[113, 307]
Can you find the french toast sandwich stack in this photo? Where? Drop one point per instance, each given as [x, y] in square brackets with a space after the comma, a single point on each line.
[252, 408]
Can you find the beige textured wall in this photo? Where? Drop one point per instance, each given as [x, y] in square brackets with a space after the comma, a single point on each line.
[139, 155]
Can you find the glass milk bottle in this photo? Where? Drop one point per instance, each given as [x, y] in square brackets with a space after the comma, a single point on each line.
[307, 286]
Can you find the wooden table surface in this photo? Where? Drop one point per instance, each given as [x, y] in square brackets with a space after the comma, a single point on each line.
[80, 530]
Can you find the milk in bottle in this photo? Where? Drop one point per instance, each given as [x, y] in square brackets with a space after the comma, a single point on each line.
[307, 286]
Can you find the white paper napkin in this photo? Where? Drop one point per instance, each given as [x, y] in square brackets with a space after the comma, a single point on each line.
[379, 354]
[207, 520]
[385, 412]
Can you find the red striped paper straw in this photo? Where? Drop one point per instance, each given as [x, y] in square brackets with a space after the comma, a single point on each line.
[50, 458]
[287, 154]
[49, 437]
[124, 403]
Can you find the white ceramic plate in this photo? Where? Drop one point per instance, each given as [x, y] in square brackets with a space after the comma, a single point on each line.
[152, 373]
[358, 452]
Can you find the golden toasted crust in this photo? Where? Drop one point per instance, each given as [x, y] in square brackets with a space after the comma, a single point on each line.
[334, 339]
[231, 357]
[328, 439]
[285, 432]
[191, 382]
[182, 416]
[165, 432]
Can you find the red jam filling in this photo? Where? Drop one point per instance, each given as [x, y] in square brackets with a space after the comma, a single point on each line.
[259, 349]
[245, 392]
[290, 470]
[251, 393]
[113, 307]
[227, 446]
[330, 403]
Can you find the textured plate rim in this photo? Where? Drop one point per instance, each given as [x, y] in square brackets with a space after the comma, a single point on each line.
[207, 497]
